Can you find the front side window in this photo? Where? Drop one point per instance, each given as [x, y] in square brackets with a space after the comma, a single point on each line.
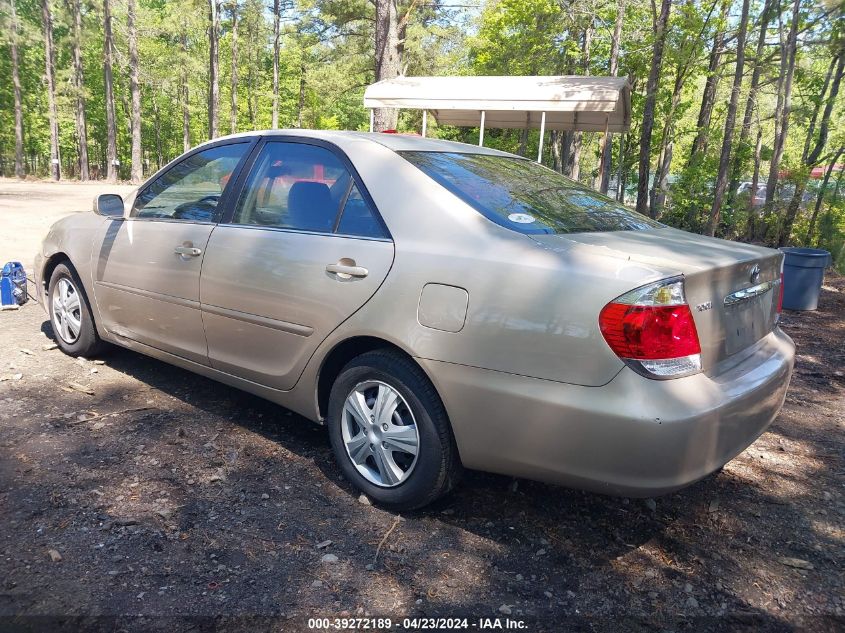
[304, 187]
[523, 196]
[191, 189]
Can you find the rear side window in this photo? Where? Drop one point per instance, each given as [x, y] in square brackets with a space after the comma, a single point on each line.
[304, 187]
[358, 218]
[526, 197]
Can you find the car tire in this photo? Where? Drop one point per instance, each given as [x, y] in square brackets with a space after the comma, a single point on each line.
[70, 314]
[423, 477]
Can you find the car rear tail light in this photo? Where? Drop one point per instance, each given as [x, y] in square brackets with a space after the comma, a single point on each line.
[652, 329]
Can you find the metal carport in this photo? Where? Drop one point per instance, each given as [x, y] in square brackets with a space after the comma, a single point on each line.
[566, 102]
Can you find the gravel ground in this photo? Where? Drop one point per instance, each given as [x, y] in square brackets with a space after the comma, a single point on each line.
[137, 496]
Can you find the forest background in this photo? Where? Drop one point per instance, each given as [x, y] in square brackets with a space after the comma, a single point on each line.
[738, 113]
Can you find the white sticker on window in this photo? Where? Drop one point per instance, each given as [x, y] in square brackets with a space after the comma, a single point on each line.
[521, 218]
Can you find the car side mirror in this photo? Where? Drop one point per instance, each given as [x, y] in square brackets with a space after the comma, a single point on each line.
[109, 205]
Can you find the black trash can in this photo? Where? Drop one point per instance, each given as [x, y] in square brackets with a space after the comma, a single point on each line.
[803, 273]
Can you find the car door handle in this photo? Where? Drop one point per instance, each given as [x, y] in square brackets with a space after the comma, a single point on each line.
[347, 271]
[188, 251]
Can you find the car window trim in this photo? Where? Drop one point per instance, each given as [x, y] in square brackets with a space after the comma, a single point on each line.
[225, 195]
[343, 200]
[246, 172]
[285, 229]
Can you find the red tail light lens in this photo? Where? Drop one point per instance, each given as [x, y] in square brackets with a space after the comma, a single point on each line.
[649, 332]
[653, 330]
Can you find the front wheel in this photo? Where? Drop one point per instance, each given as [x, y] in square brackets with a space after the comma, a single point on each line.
[390, 433]
[70, 314]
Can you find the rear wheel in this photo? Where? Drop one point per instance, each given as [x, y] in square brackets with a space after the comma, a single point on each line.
[390, 433]
[70, 314]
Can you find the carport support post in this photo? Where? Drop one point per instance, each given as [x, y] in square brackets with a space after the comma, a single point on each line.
[372, 119]
[425, 122]
[542, 133]
[481, 130]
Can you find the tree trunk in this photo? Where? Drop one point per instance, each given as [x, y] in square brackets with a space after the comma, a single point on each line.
[751, 229]
[648, 108]
[233, 115]
[127, 114]
[566, 137]
[213, 68]
[730, 123]
[785, 228]
[750, 101]
[16, 83]
[661, 177]
[661, 180]
[50, 63]
[249, 101]
[621, 173]
[301, 105]
[276, 27]
[578, 137]
[824, 126]
[250, 73]
[708, 98]
[811, 129]
[655, 182]
[137, 172]
[556, 139]
[79, 89]
[820, 197]
[575, 156]
[111, 126]
[566, 153]
[157, 130]
[523, 140]
[606, 143]
[388, 59]
[785, 99]
[776, 116]
[250, 63]
[185, 95]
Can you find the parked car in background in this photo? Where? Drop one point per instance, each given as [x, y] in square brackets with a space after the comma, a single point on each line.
[759, 197]
[438, 306]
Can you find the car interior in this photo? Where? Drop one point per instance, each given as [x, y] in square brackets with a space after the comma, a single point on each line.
[307, 196]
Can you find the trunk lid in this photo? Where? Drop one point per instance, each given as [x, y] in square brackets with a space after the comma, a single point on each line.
[732, 288]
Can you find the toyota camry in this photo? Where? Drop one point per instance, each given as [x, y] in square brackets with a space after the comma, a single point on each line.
[437, 306]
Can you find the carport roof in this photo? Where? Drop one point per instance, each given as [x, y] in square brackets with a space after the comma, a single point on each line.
[590, 104]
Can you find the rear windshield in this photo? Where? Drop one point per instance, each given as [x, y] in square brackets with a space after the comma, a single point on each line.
[521, 195]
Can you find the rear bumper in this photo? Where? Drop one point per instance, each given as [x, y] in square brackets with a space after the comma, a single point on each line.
[632, 436]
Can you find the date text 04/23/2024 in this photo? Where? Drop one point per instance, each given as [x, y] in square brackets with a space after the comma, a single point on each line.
[416, 624]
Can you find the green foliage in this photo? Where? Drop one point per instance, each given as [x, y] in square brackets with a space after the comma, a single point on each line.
[521, 37]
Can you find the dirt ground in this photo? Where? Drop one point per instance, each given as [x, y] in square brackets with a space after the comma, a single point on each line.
[157, 500]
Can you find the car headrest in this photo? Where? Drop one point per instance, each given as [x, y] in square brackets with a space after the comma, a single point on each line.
[310, 207]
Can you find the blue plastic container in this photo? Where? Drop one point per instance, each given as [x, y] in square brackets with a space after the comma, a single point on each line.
[13, 286]
[803, 274]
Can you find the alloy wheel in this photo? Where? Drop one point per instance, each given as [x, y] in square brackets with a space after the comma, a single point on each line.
[380, 433]
[67, 311]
